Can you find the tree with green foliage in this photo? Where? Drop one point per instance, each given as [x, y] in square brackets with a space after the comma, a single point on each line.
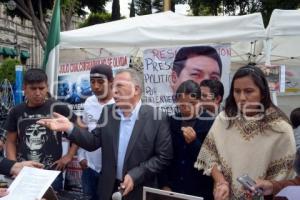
[96, 18]
[7, 69]
[37, 12]
[267, 7]
[218, 7]
[143, 7]
[115, 10]
[158, 5]
[132, 9]
[240, 7]
[205, 7]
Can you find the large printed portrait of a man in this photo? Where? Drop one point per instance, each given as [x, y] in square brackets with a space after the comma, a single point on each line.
[166, 68]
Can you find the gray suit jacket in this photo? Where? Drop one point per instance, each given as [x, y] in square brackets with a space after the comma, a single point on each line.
[149, 149]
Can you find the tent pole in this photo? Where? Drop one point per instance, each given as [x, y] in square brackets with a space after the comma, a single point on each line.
[268, 49]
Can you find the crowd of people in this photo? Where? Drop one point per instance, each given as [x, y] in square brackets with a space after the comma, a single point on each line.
[124, 144]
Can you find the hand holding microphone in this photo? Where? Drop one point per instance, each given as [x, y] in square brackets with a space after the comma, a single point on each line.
[125, 187]
[118, 195]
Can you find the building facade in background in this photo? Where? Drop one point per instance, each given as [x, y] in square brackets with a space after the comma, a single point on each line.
[18, 40]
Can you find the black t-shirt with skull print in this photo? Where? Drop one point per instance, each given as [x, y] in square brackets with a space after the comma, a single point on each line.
[35, 142]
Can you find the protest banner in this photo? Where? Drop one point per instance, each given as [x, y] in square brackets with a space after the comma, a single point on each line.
[275, 75]
[74, 81]
[159, 73]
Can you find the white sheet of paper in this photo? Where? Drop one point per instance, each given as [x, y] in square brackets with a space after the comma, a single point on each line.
[290, 192]
[31, 184]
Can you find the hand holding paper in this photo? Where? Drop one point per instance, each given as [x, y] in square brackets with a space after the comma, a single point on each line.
[31, 184]
[17, 167]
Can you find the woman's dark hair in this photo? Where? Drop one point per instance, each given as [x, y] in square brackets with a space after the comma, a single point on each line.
[258, 77]
[189, 87]
[295, 117]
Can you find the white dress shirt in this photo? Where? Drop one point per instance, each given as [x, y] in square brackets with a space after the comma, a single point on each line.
[91, 114]
[126, 127]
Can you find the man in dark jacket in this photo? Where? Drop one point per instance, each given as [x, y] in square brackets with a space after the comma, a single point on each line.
[135, 140]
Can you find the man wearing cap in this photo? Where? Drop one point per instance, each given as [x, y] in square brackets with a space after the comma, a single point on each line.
[101, 80]
[195, 63]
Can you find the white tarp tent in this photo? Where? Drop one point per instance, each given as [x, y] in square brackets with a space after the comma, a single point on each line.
[167, 29]
[283, 34]
[246, 34]
[284, 23]
[282, 47]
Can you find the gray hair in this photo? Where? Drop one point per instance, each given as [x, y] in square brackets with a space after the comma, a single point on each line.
[136, 77]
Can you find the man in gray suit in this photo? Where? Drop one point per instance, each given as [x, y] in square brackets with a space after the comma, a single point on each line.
[136, 144]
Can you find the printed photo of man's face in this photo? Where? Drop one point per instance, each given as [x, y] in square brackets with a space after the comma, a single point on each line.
[196, 68]
[195, 63]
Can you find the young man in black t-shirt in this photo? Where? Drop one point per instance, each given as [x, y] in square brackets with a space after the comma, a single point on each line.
[27, 140]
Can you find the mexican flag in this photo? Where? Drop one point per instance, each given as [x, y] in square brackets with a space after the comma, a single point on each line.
[51, 54]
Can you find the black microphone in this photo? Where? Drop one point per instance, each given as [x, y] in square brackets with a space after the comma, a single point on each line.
[117, 195]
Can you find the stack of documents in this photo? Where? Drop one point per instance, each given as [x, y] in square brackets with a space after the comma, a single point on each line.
[31, 184]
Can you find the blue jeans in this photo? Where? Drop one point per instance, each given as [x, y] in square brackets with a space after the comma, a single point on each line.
[58, 183]
[89, 181]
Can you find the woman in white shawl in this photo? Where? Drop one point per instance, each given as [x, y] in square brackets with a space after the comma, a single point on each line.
[251, 136]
